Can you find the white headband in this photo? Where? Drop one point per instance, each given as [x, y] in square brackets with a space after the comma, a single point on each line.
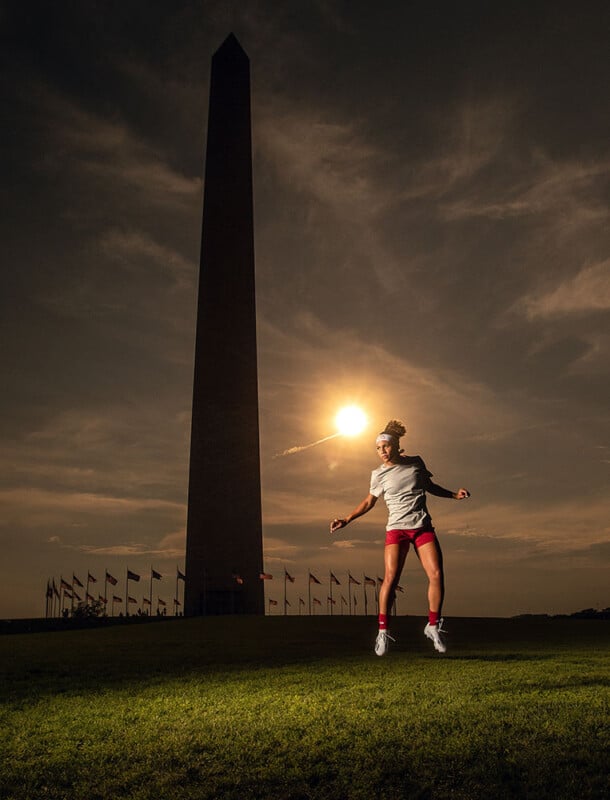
[384, 437]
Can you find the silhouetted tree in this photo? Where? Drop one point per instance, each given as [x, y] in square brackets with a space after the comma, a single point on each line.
[92, 610]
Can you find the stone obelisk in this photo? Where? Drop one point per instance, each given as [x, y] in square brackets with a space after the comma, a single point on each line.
[224, 554]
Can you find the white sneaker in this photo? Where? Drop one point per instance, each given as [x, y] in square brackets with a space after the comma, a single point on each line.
[382, 642]
[433, 632]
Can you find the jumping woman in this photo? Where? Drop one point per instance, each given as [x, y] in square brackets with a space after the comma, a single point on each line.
[403, 481]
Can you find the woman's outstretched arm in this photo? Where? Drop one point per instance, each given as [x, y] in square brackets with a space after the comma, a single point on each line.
[362, 508]
[435, 489]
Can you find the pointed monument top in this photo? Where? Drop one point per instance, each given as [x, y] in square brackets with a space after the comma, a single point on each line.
[231, 47]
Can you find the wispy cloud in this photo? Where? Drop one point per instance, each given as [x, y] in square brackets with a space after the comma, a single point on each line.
[141, 254]
[538, 185]
[474, 135]
[328, 159]
[587, 291]
[136, 550]
[541, 529]
[339, 174]
[170, 546]
[77, 448]
[36, 502]
[133, 285]
[109, 151]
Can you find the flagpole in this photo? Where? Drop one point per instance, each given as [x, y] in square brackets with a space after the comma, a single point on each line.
[349, 592]
[284, 591]
[150, 598]
[179, 577]
[309, 591]
[127, 592]
[366, 604]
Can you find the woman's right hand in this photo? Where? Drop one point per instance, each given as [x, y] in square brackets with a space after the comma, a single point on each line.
[337, 524]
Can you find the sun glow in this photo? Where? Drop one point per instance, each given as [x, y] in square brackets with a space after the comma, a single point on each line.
[350, 421]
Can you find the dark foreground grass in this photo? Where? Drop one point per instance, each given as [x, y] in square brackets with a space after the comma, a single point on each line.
[300, 708]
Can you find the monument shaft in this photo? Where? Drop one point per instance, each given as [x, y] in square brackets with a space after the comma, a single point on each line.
[224, 527]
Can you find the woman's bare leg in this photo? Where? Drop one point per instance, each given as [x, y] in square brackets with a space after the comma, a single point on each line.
[431, 559]
[394, 559]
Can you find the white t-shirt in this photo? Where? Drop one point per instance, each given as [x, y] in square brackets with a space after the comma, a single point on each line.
[403, 487]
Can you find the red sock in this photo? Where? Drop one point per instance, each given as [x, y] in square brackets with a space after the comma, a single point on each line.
[433, 617]
[383, 622]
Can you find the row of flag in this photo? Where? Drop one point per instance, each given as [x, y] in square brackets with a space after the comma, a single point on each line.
[366, 580]
[58, 593]
[350, 603]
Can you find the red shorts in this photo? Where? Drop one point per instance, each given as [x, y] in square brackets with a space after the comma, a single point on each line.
[416, 537]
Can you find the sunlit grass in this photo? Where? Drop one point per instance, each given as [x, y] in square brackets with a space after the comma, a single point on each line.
[301, 708]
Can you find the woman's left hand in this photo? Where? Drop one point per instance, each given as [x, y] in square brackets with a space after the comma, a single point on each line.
[461, 494]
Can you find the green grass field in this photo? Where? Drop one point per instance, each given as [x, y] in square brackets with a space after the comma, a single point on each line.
[300, 707]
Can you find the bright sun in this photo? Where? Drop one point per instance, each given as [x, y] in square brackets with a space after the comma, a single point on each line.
[350, 421]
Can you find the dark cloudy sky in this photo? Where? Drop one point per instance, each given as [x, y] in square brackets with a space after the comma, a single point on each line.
[432, 243]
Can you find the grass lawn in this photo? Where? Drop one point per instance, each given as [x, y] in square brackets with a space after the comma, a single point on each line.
[300, 707]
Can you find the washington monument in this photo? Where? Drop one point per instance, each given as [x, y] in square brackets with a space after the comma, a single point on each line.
[224, 553]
